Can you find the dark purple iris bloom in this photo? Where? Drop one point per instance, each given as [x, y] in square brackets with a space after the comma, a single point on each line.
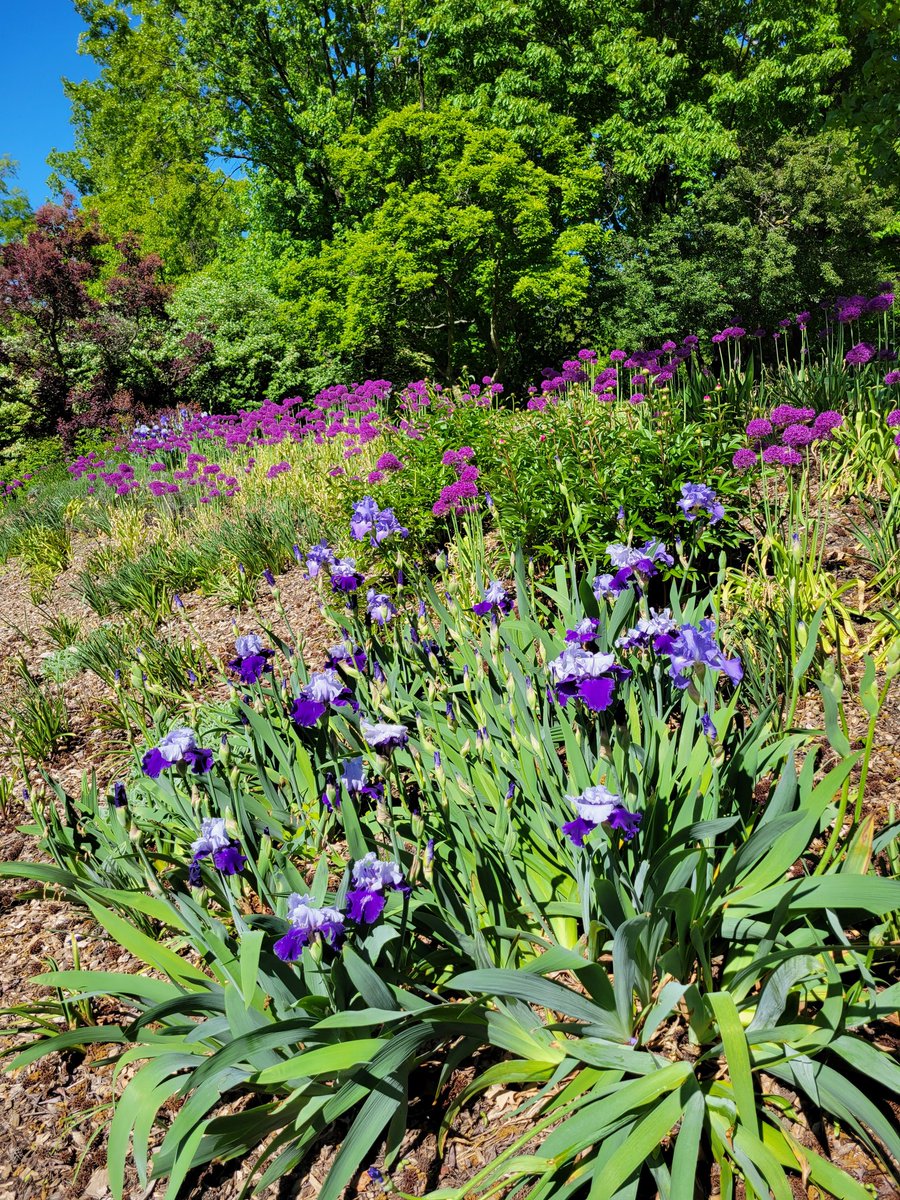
[252, 660]
[693, 648]
[584, 632]
[371, 879]
[215, 843]
[383, 737]
[647, 628]
[119, 796]
[578, 674]
[494, 599]
[345, 655]
[179, 746]
[323, 689]
[598, 806]
[699, 498]
[307, 920]
[344, 575]
[707, 726]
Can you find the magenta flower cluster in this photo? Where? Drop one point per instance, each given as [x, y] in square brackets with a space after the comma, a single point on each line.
[779, 439]
[457, 497]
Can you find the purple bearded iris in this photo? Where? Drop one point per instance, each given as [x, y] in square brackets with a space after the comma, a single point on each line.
[344, 655]
[379, 607]
[306, 921]
[344, 575]
[371, 879]
[368, 518]
[584, 633]
[353, 777]
[494, 599]
[179, 746]
[323, 689]
[692, 648]
[633, 564]
[699, 498]
[362, 519]
[591, 678]
[319, 556]
[252, 660]
[647, 628]
[382, 737]
[215, 843]
[598, 806]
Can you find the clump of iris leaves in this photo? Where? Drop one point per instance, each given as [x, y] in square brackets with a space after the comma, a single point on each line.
[668, 997]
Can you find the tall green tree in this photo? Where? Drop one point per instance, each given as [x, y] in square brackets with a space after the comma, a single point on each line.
[145, 138]
[15, 209]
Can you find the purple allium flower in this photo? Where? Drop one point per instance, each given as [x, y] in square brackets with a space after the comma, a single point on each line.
[597, 806]
[382, 737]
[344, 575]
[743, 460]
[787, 414]
[617, 355]
[307, 920]
[698, 498]
[892, 377]
[826, 422]
[276, 469]
[695, 648]
[389, 462]
[379, 607]
[587, 355]
[494, 599]
[759, 427]
[797, 435]
[893, 418]
[580, 674]
[690, 340]
[880, 303]
[859, 354]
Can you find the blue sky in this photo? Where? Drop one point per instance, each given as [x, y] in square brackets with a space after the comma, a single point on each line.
[40, 43]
